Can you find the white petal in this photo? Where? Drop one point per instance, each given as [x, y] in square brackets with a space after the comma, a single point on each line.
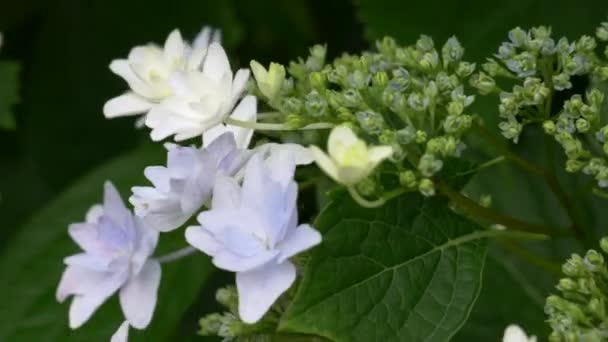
[239, 83]
[226, 193]
[340, 138]
[122, 334]
[85, 236]
[216, 64]
[212, 133]
[202, 38]
[377, 154]
[325, 162]
[83, 306]
[138, 296]
[514, 333]
[302, 238]
[246, 111]
[300, 154]
[260, 288]
[127, 104]
[122, 68]
[94, 213]
[77, 280]
[200, 239]
[174, 47]
[229, 261]
[113, 205]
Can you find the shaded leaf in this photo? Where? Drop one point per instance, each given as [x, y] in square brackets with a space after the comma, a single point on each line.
[9, 93]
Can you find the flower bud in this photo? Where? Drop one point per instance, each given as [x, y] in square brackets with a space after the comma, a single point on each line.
[523, 64]
[425, 43]
[465, 69]
[594, 260]
[455, 108]
[380, 79]
[315, 104]
[429, 165]
[295, 121]
[358, 80]
[426, 187]
[574, 165]
[269, 81]
[573, 267]
[371, 122]
[582, 125]
[452, 51]
[604, 244]
[602, 32]
[418, 102]
[561, 81]
[317, 80]
[518, 36]
[407, 179]
[549, 127]
[586, 44]
[511, 129]
[494, 69]
[405, 135]
[228, 297]
[210, 324]
[429, 61]
[316, 60]
[483, 82]
[420, 137]
[567, 284]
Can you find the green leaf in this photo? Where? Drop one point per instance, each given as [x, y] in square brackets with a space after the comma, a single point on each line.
[507, 296]
[9, 93]
[408, 271]
[31, 266]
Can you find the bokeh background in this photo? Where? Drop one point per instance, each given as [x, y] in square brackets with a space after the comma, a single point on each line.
[65, 47]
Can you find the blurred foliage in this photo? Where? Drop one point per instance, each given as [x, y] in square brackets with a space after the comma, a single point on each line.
[9, 93]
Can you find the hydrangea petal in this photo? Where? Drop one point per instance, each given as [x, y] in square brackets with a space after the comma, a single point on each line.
[260, 288]
[138, 296]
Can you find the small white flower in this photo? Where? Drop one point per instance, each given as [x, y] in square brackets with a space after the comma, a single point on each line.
[349, 160]
[200, 100]
[116, 256]
[149, 68]
[253, 230]
[514, 333]
[182, 187]
[269, 81]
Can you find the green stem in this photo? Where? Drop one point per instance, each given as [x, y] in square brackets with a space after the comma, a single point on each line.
[275, 126]
[533, 258]
[489, 163]
[375, 203]
[549, 178]
[478, 211]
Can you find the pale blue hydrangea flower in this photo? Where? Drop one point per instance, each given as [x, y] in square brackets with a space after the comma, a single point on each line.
[253, 230]
[117, 247]
[182, 187]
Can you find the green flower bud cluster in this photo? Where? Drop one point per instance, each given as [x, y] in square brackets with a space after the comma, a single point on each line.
[540, 66]
[228, 325]
[577, 128]
[411, 98]
[580, 312]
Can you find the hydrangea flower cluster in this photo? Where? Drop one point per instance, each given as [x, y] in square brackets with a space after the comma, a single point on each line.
[409, 100]
[245, 199]
[580, 313]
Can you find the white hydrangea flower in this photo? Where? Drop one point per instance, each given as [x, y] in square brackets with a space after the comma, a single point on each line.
[514, 333]
[246, 111]
[350, 159]
[182, 187]
[253, 230]
[122, 334]
[201, 100]
[116, 257]
[148, 69]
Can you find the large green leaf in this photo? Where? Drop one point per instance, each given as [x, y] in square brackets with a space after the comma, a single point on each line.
[9, 93]
[408, 271]
[507, 296]
[31, 266]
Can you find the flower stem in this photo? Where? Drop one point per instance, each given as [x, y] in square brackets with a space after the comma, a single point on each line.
[476, 210]
[176, 255]
[275, 126]
[549, 178]
[375, 203]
